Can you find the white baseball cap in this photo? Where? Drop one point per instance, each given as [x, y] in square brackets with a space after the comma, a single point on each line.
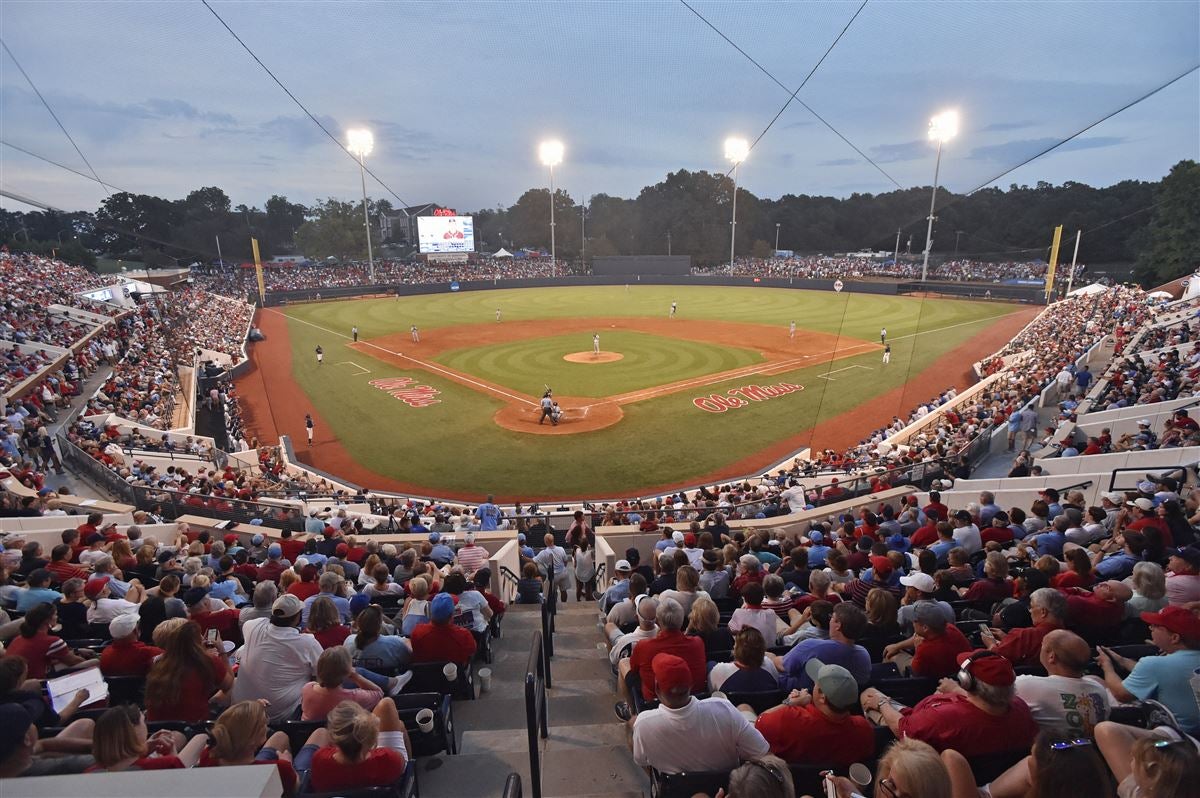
[920, 580]
[623, 565]
[677, 536]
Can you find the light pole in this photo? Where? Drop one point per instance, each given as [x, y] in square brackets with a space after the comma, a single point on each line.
[942, 128]
[777, 237]
[736, 150]
[551, 154]
[668, 243]
[360, 143]
[957, 236]
[582, 236]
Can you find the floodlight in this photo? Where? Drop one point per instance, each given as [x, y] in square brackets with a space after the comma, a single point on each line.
[550, 153]
[360, 142]
[943, 126]
[736, 149]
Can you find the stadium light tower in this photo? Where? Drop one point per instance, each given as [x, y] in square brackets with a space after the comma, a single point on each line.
[942, 128]
[360, 142]
[551, 154]
[736, 150]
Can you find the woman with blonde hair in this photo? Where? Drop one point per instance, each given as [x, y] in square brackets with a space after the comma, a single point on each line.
[704, 622]
[240, 737]
[287, 579]
[334, 669]
[122, 555]
[909, 769]
[120, 742]
[416, 606]
[367, 749]
[367, 572]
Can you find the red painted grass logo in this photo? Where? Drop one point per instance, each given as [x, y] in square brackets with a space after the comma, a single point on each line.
[742, 397]
[406, 390]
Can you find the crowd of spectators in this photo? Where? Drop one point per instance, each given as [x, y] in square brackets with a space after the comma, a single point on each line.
[240, 281]
[210, 321]
[822, 267]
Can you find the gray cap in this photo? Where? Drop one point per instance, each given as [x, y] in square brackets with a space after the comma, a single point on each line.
[835, 682]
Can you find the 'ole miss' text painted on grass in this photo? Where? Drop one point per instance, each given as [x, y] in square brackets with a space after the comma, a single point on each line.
[741, 397]
[406, 390]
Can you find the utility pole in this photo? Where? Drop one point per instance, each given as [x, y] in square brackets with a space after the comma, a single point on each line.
[668, 242]
[896, 256]
[957, 235]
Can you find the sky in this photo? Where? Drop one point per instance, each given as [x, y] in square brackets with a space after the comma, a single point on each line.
[162, 99]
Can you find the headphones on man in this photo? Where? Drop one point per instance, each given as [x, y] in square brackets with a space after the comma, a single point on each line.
[965, 678]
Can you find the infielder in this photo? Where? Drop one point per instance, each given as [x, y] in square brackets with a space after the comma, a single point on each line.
[354, 332]
[308, 427]
[673, 306]
[416, 334]
[887, 354]
[883, 335]
[320, 354]
[497, 314]
[792, 331]
[596, 344]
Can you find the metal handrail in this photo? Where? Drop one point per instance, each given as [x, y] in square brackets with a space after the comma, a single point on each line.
[537, 723]
[549, 610]
[512, 786]
[1184, 467]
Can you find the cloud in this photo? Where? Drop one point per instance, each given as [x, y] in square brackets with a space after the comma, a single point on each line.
[154, 108]
[795, 125]
[905, 151]
[839, 162]
[1014, 151]
[1000, 127]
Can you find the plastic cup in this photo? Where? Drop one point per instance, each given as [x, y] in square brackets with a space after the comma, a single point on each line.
[450, 672]
[485, 679]
[425, 720]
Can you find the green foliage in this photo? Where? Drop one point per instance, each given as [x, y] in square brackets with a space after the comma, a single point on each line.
[1172, 241]
[334, 229]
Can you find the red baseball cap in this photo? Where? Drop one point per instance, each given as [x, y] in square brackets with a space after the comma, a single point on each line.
[882, 565]
[671, 672]
[689, 539]
[341, 550]
[992, 669]
[231, 539]
[94, 586]
[1175, 619]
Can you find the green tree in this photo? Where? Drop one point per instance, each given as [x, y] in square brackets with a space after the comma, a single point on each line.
[283, 220]
[334, 228]
[1173, 239]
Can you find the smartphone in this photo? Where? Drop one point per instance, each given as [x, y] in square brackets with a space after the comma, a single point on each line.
[211, 636]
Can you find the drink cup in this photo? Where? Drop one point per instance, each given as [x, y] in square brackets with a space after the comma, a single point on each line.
[425, 720]
[485, 679]
[450, 672]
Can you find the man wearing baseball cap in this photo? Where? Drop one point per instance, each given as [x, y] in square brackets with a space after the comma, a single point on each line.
[440, 640]
[799, 729]
[919, 586]
[618, 591]
[1165, 679]
[976, 713]
[880, 576]
[685, 734]
[934, 645]
[276, 659]
[1183, 575]
[127, 655]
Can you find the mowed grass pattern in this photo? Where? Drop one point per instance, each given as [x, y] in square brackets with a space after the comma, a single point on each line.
[455, 445]
[648, 361]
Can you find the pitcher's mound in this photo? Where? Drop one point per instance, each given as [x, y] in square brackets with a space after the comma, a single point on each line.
[593, 357]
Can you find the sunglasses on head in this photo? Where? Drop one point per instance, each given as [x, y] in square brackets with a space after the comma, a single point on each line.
[1064, 745]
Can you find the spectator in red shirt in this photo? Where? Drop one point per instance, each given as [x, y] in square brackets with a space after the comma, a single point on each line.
[127, 655]
[440, 640]
[669, 640]
[368, 749]
[936, 641]
[801, 728]
[225, 621]
[307, 586]
[1022, 646]
[1099, 611]
[274, 566]
[42, 650]
[60, 565]
[976, 713]
[994, 586]
[927, 535]
[90, 526]
[935, 504]
[180, 684]
[240, 737]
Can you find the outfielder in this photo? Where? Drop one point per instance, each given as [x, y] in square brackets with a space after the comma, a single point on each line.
[792, 331]
[416, 334]
[497, 314]
[320, 354]
[354, 332]
[674, 305]
[887, 354]
[308, 427]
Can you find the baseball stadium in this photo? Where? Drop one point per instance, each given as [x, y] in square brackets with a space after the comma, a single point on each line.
[685, 440]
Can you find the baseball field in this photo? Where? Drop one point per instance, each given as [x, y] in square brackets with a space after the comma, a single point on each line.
[647, 401]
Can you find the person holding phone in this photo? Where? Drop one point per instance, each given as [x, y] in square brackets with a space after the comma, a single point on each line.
[182, 681]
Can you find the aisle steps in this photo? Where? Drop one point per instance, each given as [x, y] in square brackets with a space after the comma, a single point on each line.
[587, 753]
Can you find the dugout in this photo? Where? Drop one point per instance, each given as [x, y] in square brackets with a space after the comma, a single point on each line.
[641, 264]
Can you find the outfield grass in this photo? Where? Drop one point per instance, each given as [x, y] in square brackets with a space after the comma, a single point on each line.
[648, 360]
[455, 445]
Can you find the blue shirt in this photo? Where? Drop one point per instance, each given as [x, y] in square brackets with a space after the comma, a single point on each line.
[489, 516]
[942, 548]
[1051, 543]
[1166, 679]
[816, 555]
[31, 597]
[1118, 566]
[343, 607]
[616, 594]
[442, 554]
[986, 513]
[853, 658]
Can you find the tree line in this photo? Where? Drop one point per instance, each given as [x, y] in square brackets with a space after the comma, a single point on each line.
[1155, 225]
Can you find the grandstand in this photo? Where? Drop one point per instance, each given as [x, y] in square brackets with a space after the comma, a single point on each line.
[1070, 464]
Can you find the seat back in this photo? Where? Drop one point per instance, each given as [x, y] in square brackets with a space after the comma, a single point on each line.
[759, 701]
[428, 678]
[685, 785]
[988, 767]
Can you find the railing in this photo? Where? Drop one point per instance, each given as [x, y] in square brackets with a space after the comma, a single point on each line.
[1112, 480]
[508, 578]
[549, 610]
[537, 722]
[95, 471]
[512, 786]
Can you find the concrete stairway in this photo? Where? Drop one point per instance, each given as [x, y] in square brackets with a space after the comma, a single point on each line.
[586, 753]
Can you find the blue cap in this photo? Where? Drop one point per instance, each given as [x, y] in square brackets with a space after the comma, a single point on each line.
[274, 551]
[257, 539]
[434, 537]
[358, 603]
[521, 537]
[898, 542]
[255, 522]
[815, 537]
[441, 609]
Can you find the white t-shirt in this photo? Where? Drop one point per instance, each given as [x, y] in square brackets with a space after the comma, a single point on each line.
[276, 662]
[629, 639]
[795, 498]
[969, 538]
[1065, 706]
[707, 734]
[104, 610]
[471, 602]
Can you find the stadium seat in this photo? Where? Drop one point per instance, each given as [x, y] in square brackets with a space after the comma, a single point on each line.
[428, 678]
[442, 737]
[405, 788]
[760, 701]
[685, 785]
[989, 766]
[907, 690]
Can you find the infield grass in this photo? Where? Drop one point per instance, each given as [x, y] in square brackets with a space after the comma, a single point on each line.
[456, 446]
